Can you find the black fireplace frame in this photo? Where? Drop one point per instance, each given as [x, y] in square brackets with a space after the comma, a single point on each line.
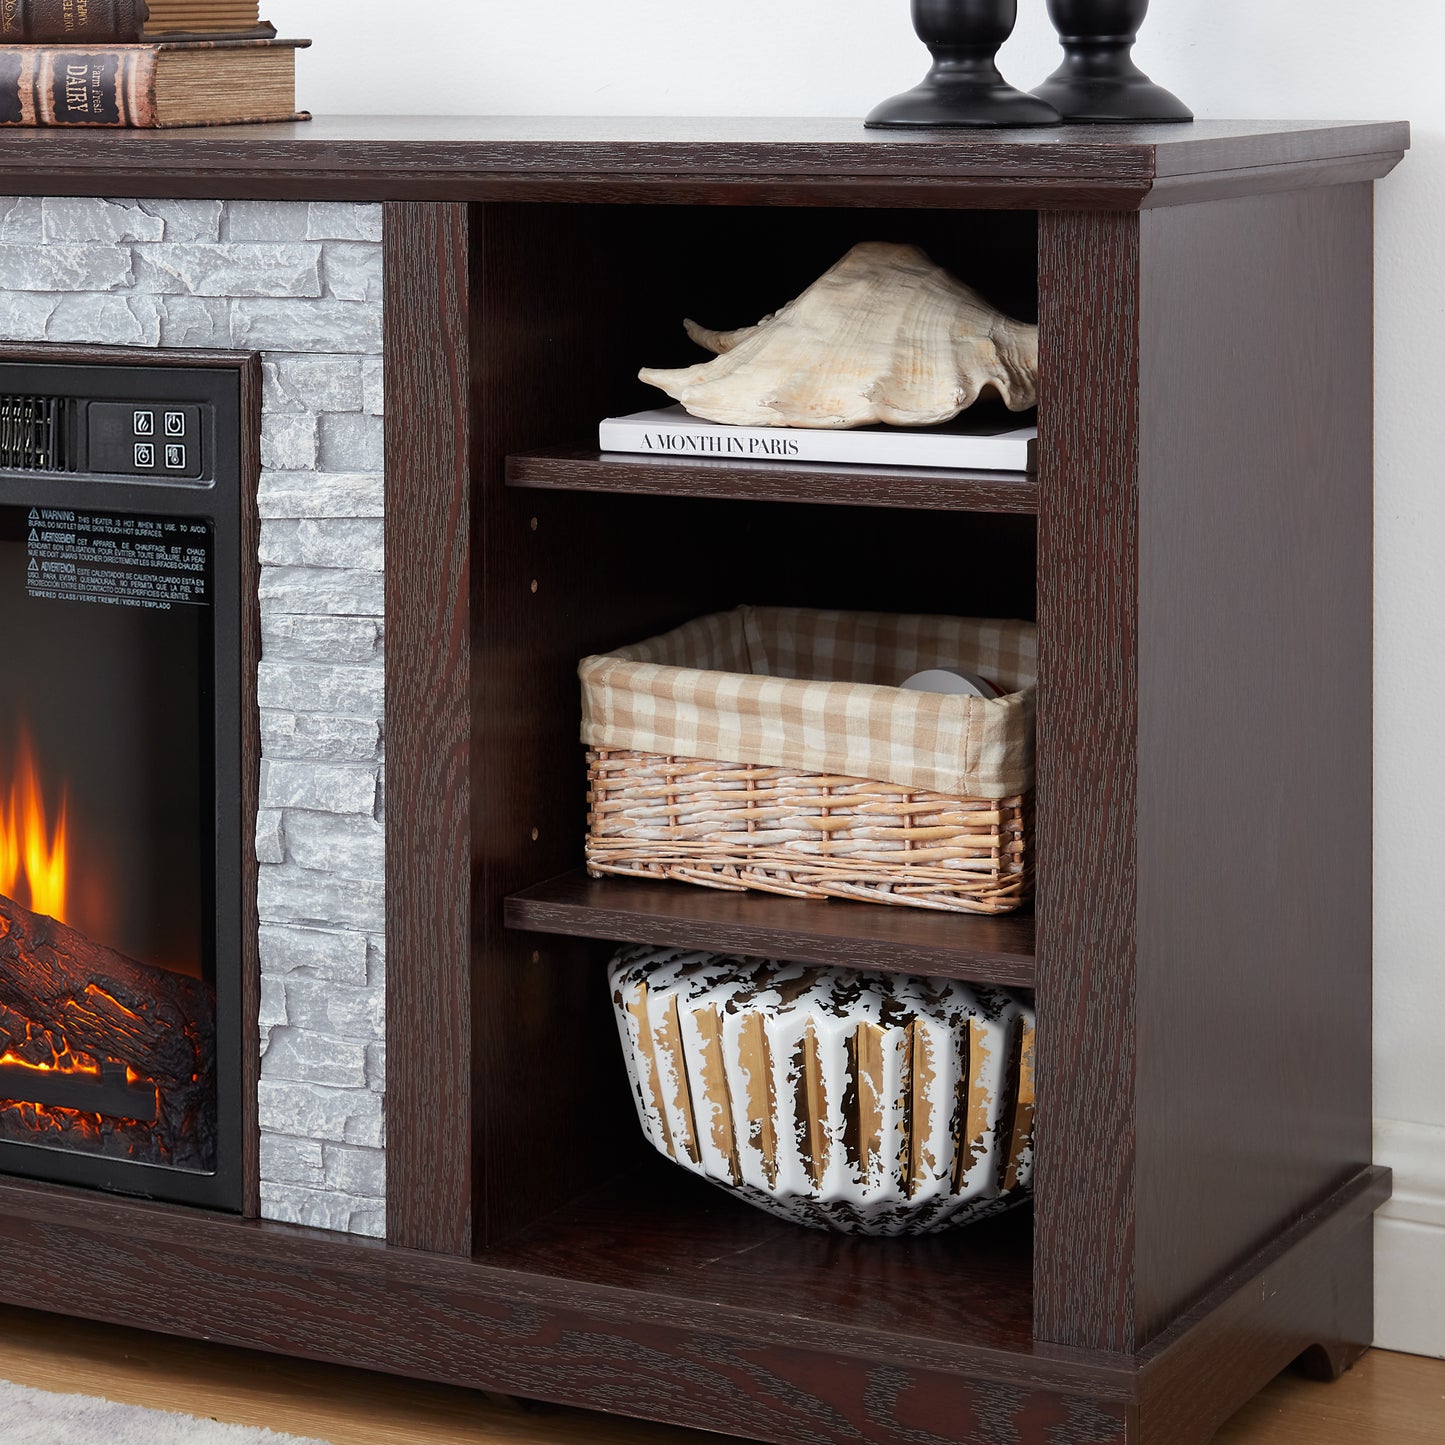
[227, 387]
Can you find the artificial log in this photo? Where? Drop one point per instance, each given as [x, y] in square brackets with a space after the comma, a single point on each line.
[65, 999]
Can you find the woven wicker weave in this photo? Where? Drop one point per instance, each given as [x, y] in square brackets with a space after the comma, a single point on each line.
[806, 835]
[809, 700]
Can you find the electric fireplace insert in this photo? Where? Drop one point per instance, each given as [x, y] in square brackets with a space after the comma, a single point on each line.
[121, 834]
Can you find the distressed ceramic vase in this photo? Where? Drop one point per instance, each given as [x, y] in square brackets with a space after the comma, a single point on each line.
[859, 1102]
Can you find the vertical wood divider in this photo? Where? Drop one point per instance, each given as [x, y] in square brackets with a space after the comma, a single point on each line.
[429, 998]
[1084, 1270]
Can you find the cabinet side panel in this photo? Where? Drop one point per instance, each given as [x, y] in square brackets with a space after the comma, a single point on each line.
[1255, 707]
[1089, 399]
[428, 726]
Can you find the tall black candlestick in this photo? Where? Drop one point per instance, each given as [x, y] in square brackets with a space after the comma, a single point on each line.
[964, 87]
[1098, 80]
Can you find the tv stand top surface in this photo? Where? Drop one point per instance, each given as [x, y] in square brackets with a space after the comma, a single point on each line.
[796, 160]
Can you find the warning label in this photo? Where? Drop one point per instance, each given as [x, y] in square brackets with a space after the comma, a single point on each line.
[151, 562]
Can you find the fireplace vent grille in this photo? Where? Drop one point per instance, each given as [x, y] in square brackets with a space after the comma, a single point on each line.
[36, 432]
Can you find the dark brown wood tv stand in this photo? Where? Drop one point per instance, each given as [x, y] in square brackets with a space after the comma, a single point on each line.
[1197, 551]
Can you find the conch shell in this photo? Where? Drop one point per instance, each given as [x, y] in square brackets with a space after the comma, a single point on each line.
[885, 336]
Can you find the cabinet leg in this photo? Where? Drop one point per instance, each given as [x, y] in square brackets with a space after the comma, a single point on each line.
[1327, 1362]
[1307, 1299]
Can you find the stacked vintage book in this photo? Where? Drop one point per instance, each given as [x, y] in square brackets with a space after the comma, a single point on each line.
[126, 63]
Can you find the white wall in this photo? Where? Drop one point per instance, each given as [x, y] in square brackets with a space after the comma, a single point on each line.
[1286, 58]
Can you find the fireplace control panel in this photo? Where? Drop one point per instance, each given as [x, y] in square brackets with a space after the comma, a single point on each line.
[150, 439]
[137, 423]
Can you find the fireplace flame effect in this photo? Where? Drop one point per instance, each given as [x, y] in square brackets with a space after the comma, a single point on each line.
[33, 848]
[34, 872]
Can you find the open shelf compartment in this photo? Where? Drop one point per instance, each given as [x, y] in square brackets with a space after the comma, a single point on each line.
[665, 1236]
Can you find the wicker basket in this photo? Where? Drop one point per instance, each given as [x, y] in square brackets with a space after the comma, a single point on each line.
[845, 787]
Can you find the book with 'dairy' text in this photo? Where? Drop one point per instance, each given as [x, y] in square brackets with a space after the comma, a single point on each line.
[198, 82]
[975, 442]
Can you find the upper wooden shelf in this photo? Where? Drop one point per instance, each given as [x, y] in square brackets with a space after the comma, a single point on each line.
[857, 935]
[927, 489]
[794, 161]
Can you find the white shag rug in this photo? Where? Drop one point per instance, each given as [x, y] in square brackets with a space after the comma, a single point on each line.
[39, 1418]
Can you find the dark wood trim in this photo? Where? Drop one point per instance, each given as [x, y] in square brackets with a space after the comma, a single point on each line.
[429, 410]
[1308, 1294]
[1087, 743]
[784, 161]
[851, 935]
[922, 488]
[697, 1362]
[1269, 179]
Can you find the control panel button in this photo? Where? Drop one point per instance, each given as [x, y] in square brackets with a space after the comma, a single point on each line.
[154, 441]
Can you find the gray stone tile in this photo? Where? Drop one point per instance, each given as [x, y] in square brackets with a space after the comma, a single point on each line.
[319, 592]
[352, 444]
[292, 496]
[329, 542]
[265, 221]
[342, 788]
[310, 1111]
[321, 639]
[326, 325]
[294, 895]
[342, 689]
[69, 219]
[344, 221]
[65, 268]
[337, 955]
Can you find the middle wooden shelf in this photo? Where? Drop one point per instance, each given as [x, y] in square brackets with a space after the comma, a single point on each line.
[996, 950]
[929, 489]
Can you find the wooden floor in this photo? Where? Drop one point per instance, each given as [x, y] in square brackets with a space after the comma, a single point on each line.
[1386, 1400]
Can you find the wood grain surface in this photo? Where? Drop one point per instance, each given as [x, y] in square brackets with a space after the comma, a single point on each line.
[1087, 739]
[1256, 509]
[683, 1345]
[783, 161]
[661, 1296]
[429, 443]
[923, 488]
[1385, 1400]
[852, 935]
[1305, 1296]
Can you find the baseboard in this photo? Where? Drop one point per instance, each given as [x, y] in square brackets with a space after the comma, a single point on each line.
[1410, 1240]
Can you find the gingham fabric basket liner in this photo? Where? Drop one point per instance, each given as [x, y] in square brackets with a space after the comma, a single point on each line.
[818, 692]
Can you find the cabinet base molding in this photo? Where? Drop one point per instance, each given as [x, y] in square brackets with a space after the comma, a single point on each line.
[1306, 1297]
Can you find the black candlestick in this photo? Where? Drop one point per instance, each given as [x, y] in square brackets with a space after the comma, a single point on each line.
[964, 87]
[1098, 80]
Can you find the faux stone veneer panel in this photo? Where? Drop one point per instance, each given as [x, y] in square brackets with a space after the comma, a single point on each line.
[302, 284]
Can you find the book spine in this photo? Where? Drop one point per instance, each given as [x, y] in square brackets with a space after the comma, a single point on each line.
[75, 86]
[70, 22]
[787, 444]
